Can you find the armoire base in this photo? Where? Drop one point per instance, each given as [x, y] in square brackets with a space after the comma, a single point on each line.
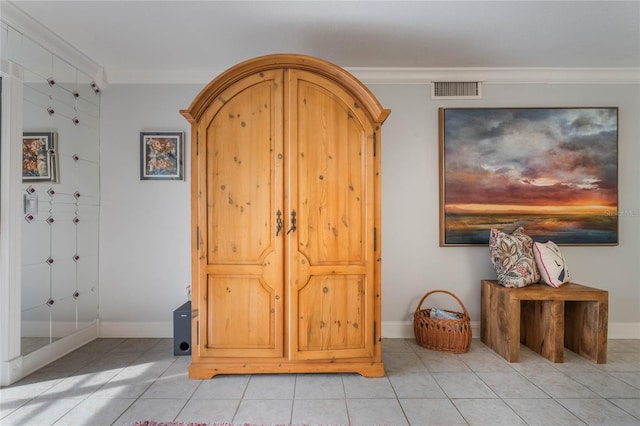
[209, 370]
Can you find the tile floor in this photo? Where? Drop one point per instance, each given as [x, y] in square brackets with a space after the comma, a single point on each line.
[120, 381]
[30, 344]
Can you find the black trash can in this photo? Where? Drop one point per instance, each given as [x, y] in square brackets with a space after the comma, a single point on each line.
[182, 330]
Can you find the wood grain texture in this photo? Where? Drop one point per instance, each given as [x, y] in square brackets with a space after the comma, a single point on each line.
[588, 336]
[250, 67]
[541, 327]
[545, 319]
[241, 276]
[270, 137]
[331, 185]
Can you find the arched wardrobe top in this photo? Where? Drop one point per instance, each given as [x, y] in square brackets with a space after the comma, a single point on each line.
[357, 89]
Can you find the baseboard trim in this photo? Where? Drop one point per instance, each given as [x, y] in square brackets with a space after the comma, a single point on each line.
[404, 329]
[624, 330]
[390, 329]
[137, 329]
[44, 329]
[22, 366]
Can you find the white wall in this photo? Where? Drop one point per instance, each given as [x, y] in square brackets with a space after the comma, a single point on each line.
[145, 225]
[144, 250]
[413, 263]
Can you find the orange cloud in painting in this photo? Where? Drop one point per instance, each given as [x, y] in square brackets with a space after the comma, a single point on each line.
[516, 160]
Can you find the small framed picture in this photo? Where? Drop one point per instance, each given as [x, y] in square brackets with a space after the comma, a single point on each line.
[161, 155]
[39, 157]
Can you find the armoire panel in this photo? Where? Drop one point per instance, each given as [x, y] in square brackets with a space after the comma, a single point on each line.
[240, 172]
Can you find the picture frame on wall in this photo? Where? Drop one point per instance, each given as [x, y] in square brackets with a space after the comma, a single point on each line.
[161, 155]
[553, 171]
[40, 157]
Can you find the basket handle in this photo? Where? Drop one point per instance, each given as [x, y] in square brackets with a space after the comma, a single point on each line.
[446, 292]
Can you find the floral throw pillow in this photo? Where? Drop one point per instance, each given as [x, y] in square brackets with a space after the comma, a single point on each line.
[551, 264]
[513, 259]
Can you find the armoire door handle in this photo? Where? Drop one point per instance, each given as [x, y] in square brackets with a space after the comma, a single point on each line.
[293, 222]
[278, 222]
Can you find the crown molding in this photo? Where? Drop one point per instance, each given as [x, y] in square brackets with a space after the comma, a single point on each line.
[415, 76]
[499, 75]
[24, 24]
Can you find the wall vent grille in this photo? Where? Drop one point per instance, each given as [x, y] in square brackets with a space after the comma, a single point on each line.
[456, 90]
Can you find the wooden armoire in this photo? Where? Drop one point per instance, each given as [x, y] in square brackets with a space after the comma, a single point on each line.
[286, 237]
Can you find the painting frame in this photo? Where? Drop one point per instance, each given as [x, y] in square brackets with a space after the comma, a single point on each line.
[40, 157]
[551, 170]
[162, 155]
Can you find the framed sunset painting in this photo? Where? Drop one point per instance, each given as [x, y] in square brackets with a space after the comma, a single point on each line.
[553, 171]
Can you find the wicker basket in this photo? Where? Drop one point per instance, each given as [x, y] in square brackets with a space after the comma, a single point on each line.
[442, 334]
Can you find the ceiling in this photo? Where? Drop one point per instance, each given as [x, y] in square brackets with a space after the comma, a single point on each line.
[143, 37]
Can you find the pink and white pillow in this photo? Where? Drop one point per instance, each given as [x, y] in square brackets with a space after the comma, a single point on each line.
[551, 264]
[513, 259]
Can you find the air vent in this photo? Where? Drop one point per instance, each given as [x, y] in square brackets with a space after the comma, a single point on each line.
[456, 90]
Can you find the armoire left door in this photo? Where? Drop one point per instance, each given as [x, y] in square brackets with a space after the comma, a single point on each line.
[240, 143]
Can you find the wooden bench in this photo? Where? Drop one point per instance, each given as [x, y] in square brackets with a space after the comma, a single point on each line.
[545, 319]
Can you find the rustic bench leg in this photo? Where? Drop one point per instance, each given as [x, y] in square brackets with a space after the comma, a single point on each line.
[500, 322]
[586, 329]
[542, 328]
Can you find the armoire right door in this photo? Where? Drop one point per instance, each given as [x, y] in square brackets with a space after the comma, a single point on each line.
[330, 144]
